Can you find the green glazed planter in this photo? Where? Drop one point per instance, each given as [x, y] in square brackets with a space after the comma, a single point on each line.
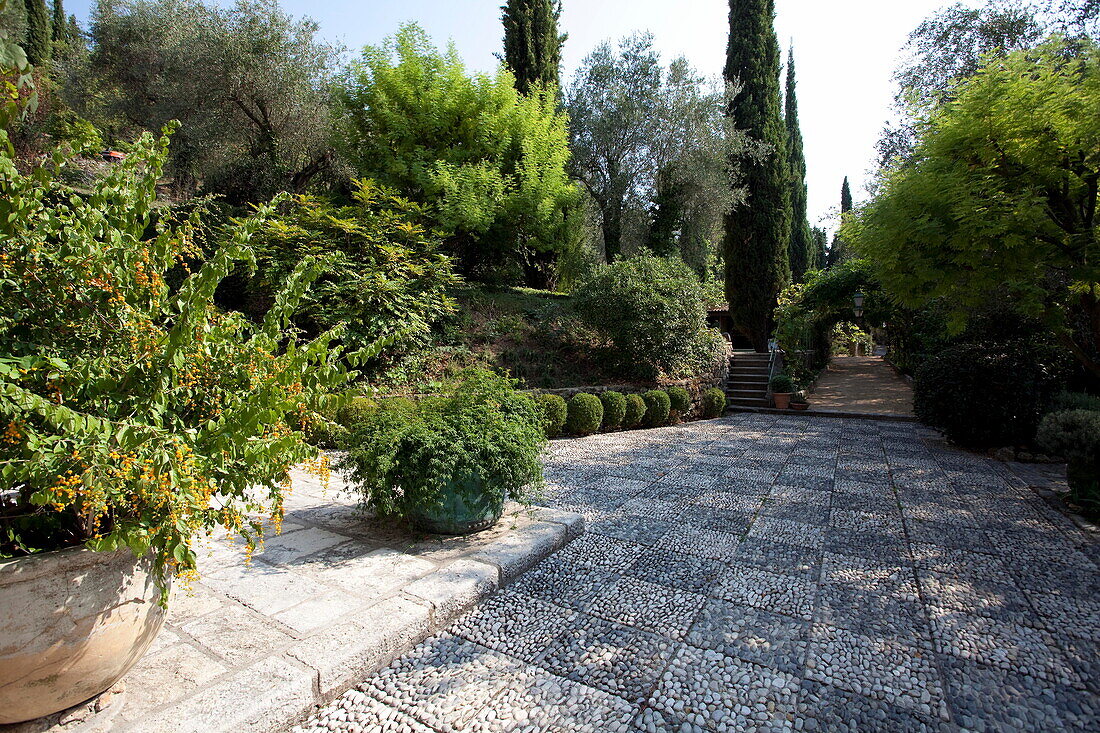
[466, 509]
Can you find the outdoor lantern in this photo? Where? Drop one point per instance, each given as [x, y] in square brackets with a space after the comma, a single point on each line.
[857, 299]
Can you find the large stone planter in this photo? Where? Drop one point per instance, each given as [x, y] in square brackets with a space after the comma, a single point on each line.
[465, 509]
[72, 622]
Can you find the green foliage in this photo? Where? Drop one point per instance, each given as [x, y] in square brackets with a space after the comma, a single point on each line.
[680, 400]
[66, 127]
[585, 414]
[985, 395]
[801, 243]
[635, 411]
[354, 411]
[614, 409]
[487, 163]
[1075, 435]
[59, 23]
[138, 414]
[657, 408]
[382, 272]
[1000, 200]
[249, 83]
[651, 310]
[402, 457]
[714, 402]
[781, 383]
[847, 338]
[757, 234]
[532, 44]
[37, 40]
[1075, 401]
[554, 413]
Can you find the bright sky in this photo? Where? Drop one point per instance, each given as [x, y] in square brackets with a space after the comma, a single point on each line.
[845, 53]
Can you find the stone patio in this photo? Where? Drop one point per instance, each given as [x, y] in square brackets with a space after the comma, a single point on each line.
[771, 573]
[334, 597]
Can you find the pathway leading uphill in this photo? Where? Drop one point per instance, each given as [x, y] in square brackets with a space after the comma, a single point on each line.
[766, 572]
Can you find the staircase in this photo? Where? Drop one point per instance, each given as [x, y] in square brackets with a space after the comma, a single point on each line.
[747, 384]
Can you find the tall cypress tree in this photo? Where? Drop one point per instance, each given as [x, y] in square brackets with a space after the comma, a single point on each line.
[758, 232]
[796, 162]
[838, 252]
[532, 44]
[59, 24]
[37, 41]
[818, 259]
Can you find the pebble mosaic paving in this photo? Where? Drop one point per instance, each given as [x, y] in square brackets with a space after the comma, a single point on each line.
[765, 573]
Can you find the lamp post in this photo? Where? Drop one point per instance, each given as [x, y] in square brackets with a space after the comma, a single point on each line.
[857, 300]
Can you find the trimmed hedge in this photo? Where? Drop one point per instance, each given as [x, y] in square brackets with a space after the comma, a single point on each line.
[635, 411]
[1075, 435]
[355, 412]
[554, 413]
[585, 414]
[657, 407]
[614, 410]
[680, 400]
[714, 402]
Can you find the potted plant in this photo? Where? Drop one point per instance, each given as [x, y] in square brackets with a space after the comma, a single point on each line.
[134, 416]
[781, 387]
[447, 463]
[798, 401]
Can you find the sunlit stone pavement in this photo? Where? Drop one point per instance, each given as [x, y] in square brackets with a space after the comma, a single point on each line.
[771, 573]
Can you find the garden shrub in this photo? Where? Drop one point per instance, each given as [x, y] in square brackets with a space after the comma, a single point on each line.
[406, 453]
[383, 271]
[1075, 401]
[714, 402]
[554, 413]
[635, 411]
[354, 412]
[985, 395]
[782, 384]
[651, 310]
[129, 404]
[585, 414]
[680, 400]
[1075, 435]
[323, 432]
[657, 407]
[614, 410]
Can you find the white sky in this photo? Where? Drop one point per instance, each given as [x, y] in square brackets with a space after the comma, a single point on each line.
[845, 54]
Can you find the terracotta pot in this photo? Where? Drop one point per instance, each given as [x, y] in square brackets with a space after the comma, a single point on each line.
[782, 399]
[800, 406]
[74, 622]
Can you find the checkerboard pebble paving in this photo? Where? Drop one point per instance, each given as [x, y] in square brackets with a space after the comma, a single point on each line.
[771, 573]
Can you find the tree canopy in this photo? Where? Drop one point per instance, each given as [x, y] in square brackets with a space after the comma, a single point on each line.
[487, 163]
[1000, 197]
[532, 44]
[801, 245]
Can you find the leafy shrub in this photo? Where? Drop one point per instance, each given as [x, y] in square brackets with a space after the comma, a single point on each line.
[324, 433]
[657, 407]
[635, 411]
[554, 413]
[383, 272]
[714, 402]
[985, 395]
[1075, 401]
[354, 412]
[138, 414]
[585, 414]
[406, 453]
[1075, 435]
[614, 409]
[651, 310]
[781, 383]
[680, 400]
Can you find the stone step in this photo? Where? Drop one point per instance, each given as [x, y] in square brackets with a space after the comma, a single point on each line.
[742, 369]
[750, 402]
[745, 394]
[754, 377]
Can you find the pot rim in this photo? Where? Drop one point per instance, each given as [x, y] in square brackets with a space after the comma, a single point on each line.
[29, 567]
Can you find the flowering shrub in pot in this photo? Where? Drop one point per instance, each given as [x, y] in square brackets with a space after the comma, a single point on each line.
[134, 416]
[447, 463]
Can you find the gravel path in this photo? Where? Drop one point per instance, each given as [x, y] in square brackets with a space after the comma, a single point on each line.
[771, 573]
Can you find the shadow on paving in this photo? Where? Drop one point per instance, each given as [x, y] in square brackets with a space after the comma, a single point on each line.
[862, 384]
[771, 573]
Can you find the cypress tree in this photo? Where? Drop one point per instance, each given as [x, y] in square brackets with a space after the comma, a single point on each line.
[532, 44]
[59, 24]
[758, 232]
[838, 252]
[818, 254]
[796, 161]
[37, 41]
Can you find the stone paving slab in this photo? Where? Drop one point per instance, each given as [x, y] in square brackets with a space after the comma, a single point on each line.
[878, 580]
[255, 645]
